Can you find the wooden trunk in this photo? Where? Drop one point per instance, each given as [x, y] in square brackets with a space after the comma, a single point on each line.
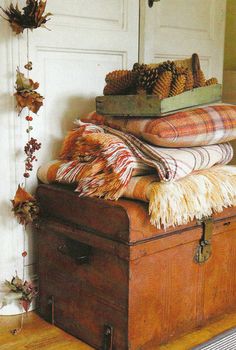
[110, 278]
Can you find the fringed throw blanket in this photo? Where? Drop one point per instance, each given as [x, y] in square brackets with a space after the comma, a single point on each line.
[174, 203]
[111, 157]
[197, 195]
[103, 162]
[175, 163]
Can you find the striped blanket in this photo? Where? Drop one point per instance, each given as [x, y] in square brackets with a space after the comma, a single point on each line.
[108, 163]
[103, 160]
[173, 203]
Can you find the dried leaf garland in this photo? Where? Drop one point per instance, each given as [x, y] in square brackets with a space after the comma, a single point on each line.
[28, 66]
[30, 148]
[25, 95]
[25, 206]
[23, 83]
[32, 100]
[30, 17]
[26, 289]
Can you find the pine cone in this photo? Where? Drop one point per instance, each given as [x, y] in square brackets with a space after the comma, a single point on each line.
[168, 66]
[116, 74]
[199, 79]
[178, 85]
[124, 85]
[137, 67]
[195, 63]
[162, 85]
[147, 78]
[212, 81]
[178, 71]
[181, 70]
[189, 80]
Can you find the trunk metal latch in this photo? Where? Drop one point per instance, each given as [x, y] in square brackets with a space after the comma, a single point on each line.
[204, 249]
[108, 337]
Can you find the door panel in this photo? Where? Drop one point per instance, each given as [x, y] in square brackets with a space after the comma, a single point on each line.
[176, 29]
[71, 60]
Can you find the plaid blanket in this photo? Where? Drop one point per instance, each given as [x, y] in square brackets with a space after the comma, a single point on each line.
[102, 160]
[175, 163]
[194, 127]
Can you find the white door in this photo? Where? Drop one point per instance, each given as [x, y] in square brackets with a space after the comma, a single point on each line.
[174, 29]
[86, 40]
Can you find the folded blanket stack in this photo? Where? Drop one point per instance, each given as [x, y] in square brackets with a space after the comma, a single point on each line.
[176, 163]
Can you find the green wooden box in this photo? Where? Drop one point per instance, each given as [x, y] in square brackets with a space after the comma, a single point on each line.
[152, 106]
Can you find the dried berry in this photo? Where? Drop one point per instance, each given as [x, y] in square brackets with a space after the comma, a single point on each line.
[29, 66]
[30, 148]
[24, 254]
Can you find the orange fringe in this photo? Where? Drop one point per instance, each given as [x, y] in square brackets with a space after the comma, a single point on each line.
[69, 143]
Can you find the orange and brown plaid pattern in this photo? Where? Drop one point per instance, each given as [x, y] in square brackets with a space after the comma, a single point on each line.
[195, 127]
[102, 161]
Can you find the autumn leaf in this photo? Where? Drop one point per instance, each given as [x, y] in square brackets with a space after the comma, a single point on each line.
[26, 290]
[26, 96]
[23, 83]
[30, 17]
[25, 207]
[31, 99]
[16, 331]
[22, 195]
[25, 304]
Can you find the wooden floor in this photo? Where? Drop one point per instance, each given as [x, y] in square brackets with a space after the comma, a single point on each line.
[38, 334]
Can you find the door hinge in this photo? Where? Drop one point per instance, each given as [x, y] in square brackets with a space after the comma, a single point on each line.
[108, 337]
[204, 249]
[151, 2]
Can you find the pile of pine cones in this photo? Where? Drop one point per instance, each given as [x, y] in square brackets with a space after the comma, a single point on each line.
[163, 80]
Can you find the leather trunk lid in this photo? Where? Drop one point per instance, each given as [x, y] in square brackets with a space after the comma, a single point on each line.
[125, 220]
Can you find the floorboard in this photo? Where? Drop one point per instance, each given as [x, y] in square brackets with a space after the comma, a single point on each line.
[38, 334]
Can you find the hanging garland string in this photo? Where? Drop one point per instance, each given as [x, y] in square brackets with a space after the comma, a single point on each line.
[24, 205]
